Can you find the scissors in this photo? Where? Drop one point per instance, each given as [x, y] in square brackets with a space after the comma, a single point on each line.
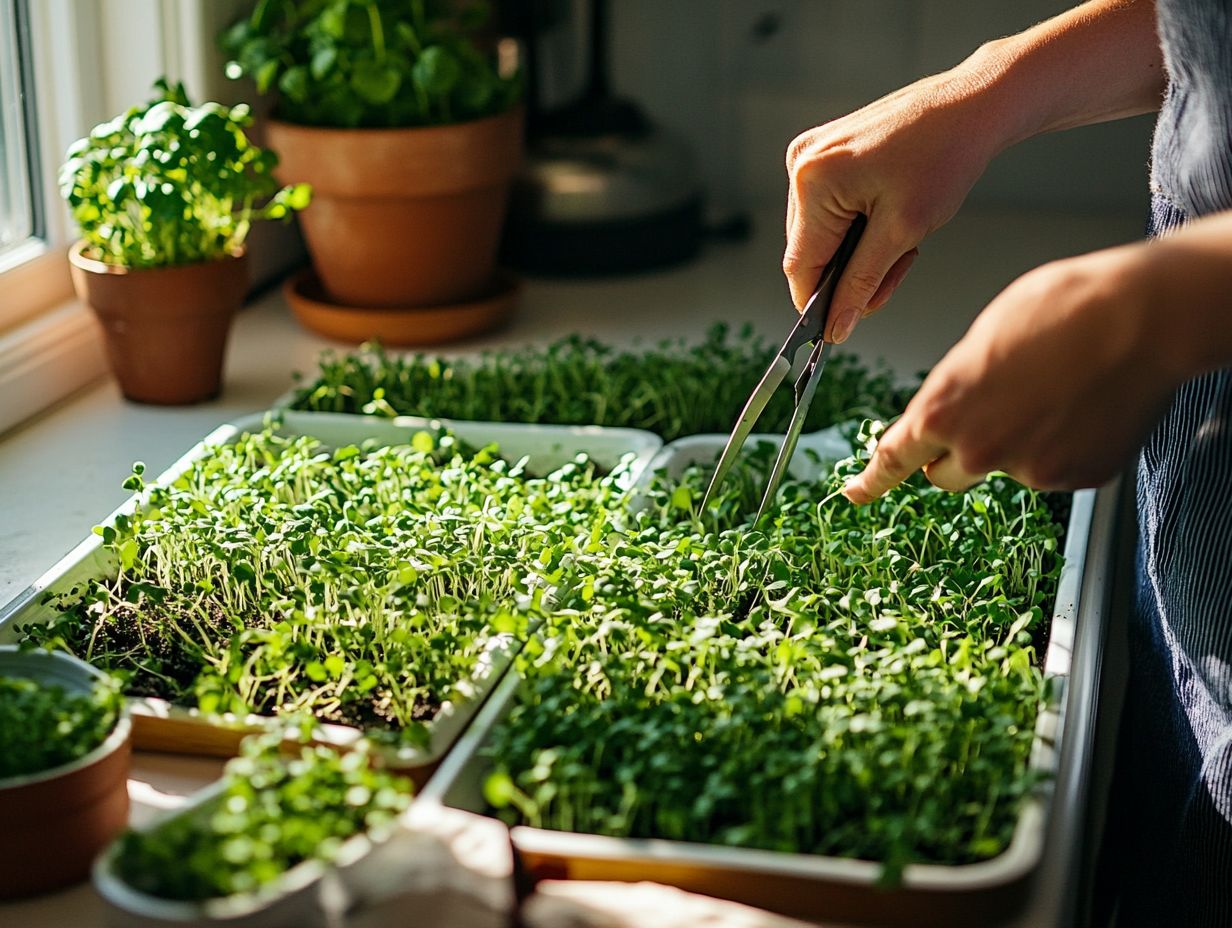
[807, 331]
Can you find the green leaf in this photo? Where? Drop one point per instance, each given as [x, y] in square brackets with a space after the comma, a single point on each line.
[477, 93]
[266, 74]
[298, 196]
[436, 71]
[323, 61]
[375, 82]
[332, 20]
[294, 83]
[127, 551]
[682, 498]
[498, 789]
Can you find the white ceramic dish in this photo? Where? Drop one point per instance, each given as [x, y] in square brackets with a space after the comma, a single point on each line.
[312, 894]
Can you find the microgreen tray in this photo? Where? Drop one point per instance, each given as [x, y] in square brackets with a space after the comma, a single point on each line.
[849, 891]
[162, 726]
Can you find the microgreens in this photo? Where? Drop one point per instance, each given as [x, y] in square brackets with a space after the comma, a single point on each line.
[44, 726]
[272, 812]
[673, 389]
[855, 681]
[361, 585]
[835, 680]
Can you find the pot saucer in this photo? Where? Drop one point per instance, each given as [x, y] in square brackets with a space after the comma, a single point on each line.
[399, 325]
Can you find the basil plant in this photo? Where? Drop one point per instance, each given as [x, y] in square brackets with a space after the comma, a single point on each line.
[369, 63]
[169, 183]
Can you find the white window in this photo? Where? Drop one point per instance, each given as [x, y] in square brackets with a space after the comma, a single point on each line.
[66, 65]
[19, 198]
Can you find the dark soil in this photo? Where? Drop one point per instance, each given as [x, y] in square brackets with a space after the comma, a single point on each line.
[143, 639]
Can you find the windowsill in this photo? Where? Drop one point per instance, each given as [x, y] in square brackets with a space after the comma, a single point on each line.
[34, 278]
[46, 359]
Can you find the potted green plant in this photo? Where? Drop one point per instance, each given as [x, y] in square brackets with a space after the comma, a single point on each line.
[408, 134]
[63, 769]
[164, 195]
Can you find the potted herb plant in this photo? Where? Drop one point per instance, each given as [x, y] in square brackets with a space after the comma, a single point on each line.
[63, 768]
[407, 133]
[164, 195]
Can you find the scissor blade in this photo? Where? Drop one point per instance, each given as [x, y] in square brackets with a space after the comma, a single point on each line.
[817, 364]
[779, 368]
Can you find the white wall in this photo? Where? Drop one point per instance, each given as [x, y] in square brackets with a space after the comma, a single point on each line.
[700, 67]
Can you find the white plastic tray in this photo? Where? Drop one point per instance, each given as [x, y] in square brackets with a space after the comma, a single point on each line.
[811, 886]
[160, 725]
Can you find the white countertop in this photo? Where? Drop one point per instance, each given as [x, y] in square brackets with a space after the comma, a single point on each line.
[60, 473]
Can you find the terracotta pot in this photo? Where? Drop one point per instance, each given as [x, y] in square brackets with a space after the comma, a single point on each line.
[166, 328]
[56, 821]
[403, 217]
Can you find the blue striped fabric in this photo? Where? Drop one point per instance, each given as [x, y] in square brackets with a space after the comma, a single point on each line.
[1170, 819]
[1168, 848]
[1190, 157]
[1172, 807]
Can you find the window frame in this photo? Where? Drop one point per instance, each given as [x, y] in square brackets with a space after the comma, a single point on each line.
[16, 40]
[34, 276]
[91, 59]
[77, 57]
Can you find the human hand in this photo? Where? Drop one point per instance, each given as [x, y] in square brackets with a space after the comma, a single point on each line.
[1058, 382]
[907, 162]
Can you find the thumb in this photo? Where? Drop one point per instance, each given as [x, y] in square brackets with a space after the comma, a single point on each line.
[813, 236]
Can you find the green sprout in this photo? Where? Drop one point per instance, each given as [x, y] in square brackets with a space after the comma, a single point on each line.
[272, 813]
[43, 726]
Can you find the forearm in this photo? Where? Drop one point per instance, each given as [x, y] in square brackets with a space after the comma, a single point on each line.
[1096, 62]
[1187, 277]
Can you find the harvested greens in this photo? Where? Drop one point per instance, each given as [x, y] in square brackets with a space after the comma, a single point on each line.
[847, 681]
[673, 389]
[272, 813]
[43, 726]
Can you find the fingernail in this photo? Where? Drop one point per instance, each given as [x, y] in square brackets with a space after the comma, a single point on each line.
[853, 493]
[845, 323]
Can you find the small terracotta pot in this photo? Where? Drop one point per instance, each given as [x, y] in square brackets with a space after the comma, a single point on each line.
[56, 821]
[166, 328]
[403, 217]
